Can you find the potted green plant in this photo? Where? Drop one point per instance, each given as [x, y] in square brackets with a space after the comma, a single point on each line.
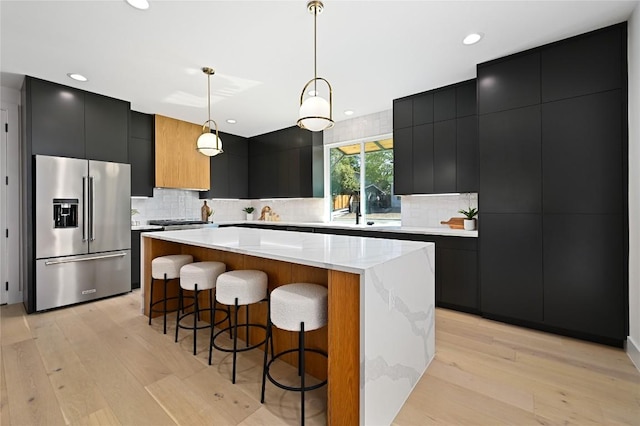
[469, 221]
[249, 211]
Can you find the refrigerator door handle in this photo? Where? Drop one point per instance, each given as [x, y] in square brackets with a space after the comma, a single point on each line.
[84, 259]
[85, 218]
[92, 209]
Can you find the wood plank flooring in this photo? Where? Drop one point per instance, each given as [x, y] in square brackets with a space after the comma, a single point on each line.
[101, 364]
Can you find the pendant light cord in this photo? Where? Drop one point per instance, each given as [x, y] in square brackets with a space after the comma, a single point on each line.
[315, 50]
[209, 100]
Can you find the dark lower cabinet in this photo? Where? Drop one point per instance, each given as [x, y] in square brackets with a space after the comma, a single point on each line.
[583, 269]
[511, 266]
[135, 259]
[457, 274]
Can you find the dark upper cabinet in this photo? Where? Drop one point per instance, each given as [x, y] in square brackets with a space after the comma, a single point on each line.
[511, 266]
[422, 161]
[585, 64]
[444, 104]
[508, 83]
[429, 156]
[583, 274]
[403, 161]
[402, 113]
[141, 154]
[467, 154]
[422, 109]
[68, 122]
[106, 123]
[286, 163]
[55, 119]
[444, 157]
[229, 170]
[238, 167]
[466, 104]
[510, 161]
[582, 154]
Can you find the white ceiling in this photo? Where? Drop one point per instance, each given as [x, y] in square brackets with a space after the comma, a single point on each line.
[370, 51]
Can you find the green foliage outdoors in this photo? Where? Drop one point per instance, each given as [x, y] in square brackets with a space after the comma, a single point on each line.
[345, 171]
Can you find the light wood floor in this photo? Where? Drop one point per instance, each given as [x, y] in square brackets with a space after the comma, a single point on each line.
[100, 363]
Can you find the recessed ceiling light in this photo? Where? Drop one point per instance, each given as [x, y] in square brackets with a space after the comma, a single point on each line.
[231, 121]
[77, 77]
[472, 38]
[348, 112]
[139, 4]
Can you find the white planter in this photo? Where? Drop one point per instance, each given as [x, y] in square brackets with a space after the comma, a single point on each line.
[249, 216]
[469, 224]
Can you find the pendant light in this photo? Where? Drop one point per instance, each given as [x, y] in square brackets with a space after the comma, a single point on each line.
[315, 112]
[209, 143]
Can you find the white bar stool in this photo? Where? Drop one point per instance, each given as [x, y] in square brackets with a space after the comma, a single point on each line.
[165, 268]
[239, 288]
[197, 277]
[295, 307]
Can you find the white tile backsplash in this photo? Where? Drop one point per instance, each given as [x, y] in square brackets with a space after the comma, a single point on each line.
[185, 204]
[428, 211]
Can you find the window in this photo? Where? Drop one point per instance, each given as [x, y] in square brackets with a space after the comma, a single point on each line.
[364, 167]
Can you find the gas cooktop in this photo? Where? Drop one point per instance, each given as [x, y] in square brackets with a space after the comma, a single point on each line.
[173, 222]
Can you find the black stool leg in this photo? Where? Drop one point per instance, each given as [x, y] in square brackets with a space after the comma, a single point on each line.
[302, 370]
[235, 343]
[229, 318]
[246, 337]
[180, 308]
[164, 314]
[266, 349]
[196, 316]
[150, 300]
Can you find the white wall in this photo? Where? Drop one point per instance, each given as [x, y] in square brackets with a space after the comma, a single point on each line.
[10, 100]
[633, 341]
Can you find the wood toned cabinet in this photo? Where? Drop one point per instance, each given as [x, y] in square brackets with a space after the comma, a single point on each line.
[178, 163]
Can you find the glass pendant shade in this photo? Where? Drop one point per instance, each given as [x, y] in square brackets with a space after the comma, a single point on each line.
[209, 144]
[315, 114]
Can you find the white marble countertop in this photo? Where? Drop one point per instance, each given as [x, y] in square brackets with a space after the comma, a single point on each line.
[338, 252]
[378, 227]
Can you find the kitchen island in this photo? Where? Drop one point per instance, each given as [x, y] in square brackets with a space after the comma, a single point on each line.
[380, 335]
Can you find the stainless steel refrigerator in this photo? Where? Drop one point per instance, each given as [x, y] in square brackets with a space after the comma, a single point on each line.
[83, 230]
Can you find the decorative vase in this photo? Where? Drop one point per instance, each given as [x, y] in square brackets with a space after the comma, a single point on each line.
[249, 216]
[469, 224]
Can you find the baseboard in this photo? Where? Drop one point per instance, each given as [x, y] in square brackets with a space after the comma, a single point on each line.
[633, 351]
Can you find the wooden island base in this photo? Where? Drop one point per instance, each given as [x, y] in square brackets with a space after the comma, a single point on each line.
[340, 338]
